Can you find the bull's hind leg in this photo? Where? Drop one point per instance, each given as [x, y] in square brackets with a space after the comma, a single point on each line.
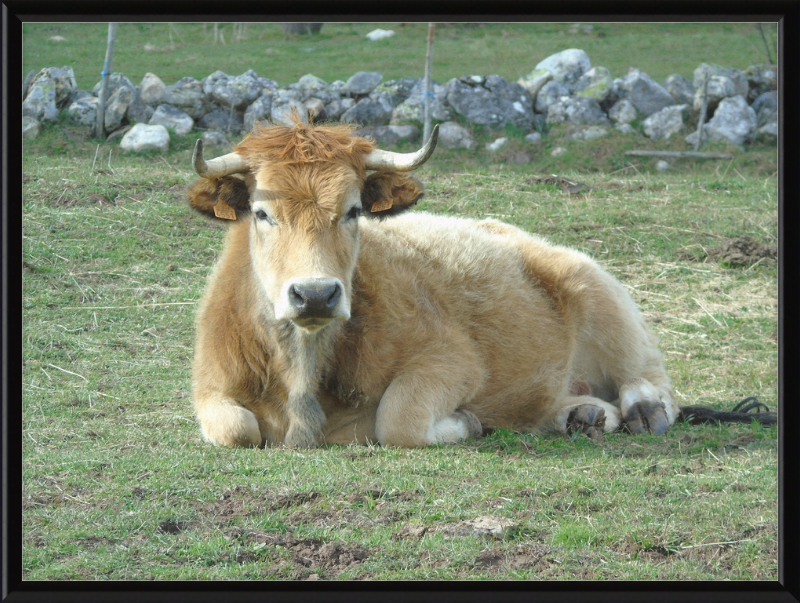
[421, 406]
[646, 408]
[583, 413]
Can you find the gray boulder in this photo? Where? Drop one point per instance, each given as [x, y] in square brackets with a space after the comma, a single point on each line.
[492, 101]
[61, 80]
[455, 136]
[336, 109]
[644, 93]
[397, 91]
[40, 104]
[115, 82]
[412, 108]
[221, 119]
[663, 124]
[260, 110]
[550, 93]
[30, 128]
[215, 139]
[760, 79]
[174, 119]
[362, 83]
[143, 137]
[390, 135]
[576, 110]
[566, 67]
[310, 86]
[151, 88]
[138, 111]
[595, 83]
[369, 112]
[766, 107]
[236, 92]
[187, 95]
[535, 80]
[768, 132]
[117, 106]
[722, 83]
[622, 112]
[84, 111]
[680, 88]
[734, 121]
[281, 113]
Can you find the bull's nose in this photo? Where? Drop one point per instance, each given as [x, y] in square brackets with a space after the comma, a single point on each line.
[317, 297]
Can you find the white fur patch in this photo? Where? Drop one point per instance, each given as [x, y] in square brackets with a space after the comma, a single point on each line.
[447, 431]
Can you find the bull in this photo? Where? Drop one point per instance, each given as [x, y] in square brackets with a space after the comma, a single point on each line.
[334, 315]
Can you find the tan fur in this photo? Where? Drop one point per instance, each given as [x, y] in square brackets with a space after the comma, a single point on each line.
[445, 316]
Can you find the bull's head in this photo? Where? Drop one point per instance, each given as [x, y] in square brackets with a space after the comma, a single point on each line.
[303, 189]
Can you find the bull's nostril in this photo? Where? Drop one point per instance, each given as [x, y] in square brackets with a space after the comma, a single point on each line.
[296, 297]
[334, 296]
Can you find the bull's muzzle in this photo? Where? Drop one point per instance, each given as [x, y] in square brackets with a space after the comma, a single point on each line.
[312, 303]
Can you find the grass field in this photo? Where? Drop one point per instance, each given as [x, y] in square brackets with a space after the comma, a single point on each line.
[118, 484]
[340, 49]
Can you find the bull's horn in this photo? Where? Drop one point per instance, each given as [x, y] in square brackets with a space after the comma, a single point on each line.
[402, 162]
[232, 163]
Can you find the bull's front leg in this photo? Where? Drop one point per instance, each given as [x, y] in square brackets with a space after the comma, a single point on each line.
[306, 420]
[225, 422]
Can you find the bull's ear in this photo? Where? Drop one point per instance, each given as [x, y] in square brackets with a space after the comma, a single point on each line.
[226, 198]
[389, 193]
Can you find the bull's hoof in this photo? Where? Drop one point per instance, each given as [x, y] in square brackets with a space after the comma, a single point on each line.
[588, 419]
[473, 423]
[298, 437]
[646, 417]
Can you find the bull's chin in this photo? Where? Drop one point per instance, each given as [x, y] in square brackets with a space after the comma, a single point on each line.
[312, 325]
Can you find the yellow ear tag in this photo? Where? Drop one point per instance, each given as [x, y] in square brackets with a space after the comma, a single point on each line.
[224, 211]
[381, 205]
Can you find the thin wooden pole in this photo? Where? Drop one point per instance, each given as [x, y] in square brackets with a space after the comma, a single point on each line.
[428, 96]
[680, 154]
[99, 127]
[766, 44]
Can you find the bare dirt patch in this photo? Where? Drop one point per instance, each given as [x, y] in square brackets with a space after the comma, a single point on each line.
[239, 503]
[523, 557]
[309, 558]
[742, 251]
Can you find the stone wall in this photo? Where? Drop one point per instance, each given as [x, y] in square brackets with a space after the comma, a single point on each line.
[740, 106]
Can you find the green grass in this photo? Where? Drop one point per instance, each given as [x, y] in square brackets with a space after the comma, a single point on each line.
[118, 484]
[340, 49]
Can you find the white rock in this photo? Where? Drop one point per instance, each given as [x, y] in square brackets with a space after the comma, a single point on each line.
[497, 144]
[455, 136]
[30, 128]
[623, 112]
[566, 66]
[151, 89]
[534, 138]
[558, 151]
[143, 137]
[734, 121]
[380, 34]
[663, 124]
[170, 117]
[662, 166]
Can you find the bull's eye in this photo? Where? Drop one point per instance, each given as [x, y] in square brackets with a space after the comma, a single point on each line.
[354, 213]
[262, 215]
